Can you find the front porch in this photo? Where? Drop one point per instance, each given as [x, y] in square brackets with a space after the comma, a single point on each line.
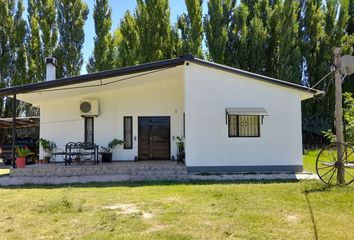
[128, 171]
[114, 171]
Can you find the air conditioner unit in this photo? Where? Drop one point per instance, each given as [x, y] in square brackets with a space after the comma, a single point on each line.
[89, 108]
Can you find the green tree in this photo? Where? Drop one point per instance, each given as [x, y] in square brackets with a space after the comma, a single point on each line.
[247, 39]
[348, 117]
[35, 58]
[349, 42]
[6, 23]
[13, 62]
[191, 27]
[287, 56]
[154, 29]
[127, 42]
[19, 51]
[48, 26]
[237, 46]
[251, 6]
[256, 39]
[72, 15]
[102, 57]
[322, 27]
[177, 43]
[350, 28]
[216, 27]
[43, 36]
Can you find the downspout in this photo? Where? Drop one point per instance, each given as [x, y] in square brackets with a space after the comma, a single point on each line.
[13, 131]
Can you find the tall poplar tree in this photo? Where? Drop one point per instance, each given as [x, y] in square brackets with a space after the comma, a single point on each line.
[102, 57]
[349, 83]
[48, 26]
[323, 26]
[154, 29]
[127, 42]
[237, 46]
[216, 25]
[43, 36]
[13, 31]
[72, 15]
[35, 58]
[251, 6]
[19, 51]
[287, 59]
[256, 39]
[6, 23]
[247, 42]
[312, 34]
[191, 27]
[350, 28]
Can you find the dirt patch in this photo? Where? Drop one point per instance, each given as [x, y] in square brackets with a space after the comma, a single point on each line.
[173, 199]
[292, 218]
[128, 209]
[156, 228]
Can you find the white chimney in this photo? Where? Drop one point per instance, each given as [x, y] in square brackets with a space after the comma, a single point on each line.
[51, 64]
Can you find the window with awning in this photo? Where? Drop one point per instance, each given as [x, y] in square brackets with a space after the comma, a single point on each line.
[244, 122]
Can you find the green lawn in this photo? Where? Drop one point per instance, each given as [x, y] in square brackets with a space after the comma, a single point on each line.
[250, 210]
[309, 161]
[178, 211]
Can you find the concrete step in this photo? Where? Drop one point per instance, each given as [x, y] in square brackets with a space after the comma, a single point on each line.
[160, 172]
[71, 171]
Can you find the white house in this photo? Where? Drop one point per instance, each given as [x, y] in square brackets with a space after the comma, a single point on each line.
[231, 120]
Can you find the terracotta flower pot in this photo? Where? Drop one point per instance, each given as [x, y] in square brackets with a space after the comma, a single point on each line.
[37, 161]
[21, 162]
[41, 161]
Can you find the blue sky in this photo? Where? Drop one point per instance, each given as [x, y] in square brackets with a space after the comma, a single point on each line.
[118, 8]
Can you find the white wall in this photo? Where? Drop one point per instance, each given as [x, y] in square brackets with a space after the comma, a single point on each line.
[153, 96]
[206, 93]
[209, 91]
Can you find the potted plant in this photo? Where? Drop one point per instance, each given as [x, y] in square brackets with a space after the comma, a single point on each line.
[180, 148]
[47, 147]
[21, 154]
[106, 152]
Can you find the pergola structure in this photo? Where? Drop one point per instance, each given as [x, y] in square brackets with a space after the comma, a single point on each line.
[23, 122]
[17, 123]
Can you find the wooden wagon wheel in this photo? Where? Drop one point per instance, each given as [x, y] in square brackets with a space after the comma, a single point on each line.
[327, 164]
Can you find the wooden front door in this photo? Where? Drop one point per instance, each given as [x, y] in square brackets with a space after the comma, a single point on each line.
[154, 138]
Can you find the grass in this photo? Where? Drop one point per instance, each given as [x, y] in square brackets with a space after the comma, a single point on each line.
[309, 160]
[164, 210]
[287, 210]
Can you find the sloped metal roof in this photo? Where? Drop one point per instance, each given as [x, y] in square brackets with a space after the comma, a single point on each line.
[143, 68]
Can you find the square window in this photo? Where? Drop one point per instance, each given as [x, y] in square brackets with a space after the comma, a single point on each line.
[244, 126]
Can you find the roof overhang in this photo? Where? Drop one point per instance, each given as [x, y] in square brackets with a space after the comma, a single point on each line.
[305, 92]
[100, 79]
[92, 88]
[86, 78]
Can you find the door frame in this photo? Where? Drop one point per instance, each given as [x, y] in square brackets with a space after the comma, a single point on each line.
[169, 137]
